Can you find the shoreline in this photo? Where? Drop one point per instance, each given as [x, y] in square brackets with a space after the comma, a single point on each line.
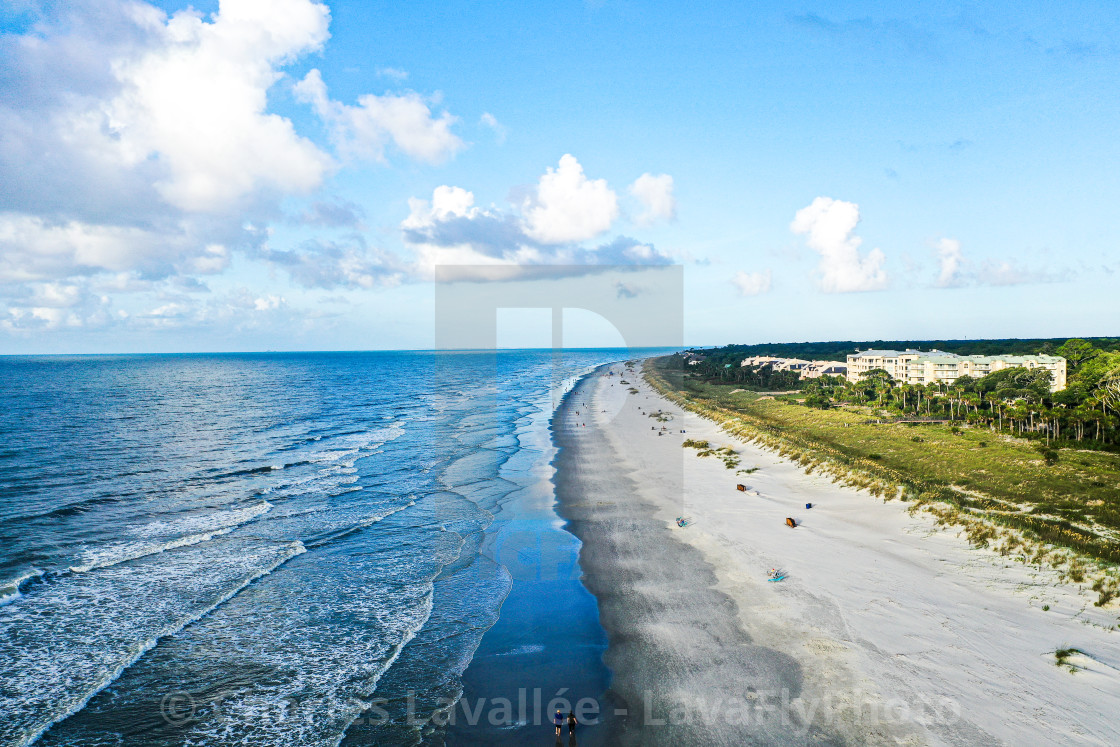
[546, 642]
[674, 637]
[888, 628]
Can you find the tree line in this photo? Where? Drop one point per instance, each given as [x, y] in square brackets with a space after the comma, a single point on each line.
[1013, 400]
[839, 350]
[725, 368]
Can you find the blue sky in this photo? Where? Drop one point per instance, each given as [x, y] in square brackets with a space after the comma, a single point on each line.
[285, 175]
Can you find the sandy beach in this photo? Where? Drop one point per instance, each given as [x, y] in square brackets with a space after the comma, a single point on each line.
[885, 630]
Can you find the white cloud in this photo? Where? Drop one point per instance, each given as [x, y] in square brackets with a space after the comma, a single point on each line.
[365, 130]
[951, 259]
[393, 73]
[489, 120]
[349, 263]
[956, 271]
[196, 101]
[39, 250]
[752, 283]
[138, 144]
[139, 154]
[569, 207]
[447, 202]
[829, 227]
[450, 229]
[656, 195]
[1004, 272]
[54, 305]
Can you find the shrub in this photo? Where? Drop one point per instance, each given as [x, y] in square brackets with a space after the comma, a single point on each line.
[1048, 453]
[1061, 657]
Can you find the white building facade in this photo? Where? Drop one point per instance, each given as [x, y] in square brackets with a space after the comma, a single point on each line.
[934, 366]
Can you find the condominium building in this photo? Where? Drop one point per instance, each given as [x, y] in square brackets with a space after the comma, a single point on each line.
[805, 369]
[935, 366]
[817, 369]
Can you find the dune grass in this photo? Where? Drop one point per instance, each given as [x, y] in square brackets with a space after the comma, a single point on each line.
[1002, 491]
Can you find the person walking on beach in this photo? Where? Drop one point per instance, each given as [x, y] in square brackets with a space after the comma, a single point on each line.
[572, 723]
[558, 720]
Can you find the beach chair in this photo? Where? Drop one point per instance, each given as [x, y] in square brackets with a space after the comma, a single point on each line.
[741, 488]
[791, 523]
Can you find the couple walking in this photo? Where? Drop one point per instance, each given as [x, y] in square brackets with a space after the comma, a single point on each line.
[558, 720]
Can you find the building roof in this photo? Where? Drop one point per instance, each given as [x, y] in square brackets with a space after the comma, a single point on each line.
[877, 354]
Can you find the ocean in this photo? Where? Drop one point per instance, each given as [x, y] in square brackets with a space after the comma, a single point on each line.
[288, 549]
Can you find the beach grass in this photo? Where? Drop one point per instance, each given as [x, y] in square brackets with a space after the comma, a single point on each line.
[1060, 509]
[1062, 656]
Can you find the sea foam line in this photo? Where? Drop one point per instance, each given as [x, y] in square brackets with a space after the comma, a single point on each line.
[296, 548]
[429, 604]
[122, 553]
[363, 524]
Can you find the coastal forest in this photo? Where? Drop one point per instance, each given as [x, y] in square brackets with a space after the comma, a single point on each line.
[1014, 400]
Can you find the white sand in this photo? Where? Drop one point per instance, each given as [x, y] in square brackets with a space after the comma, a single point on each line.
[897, 624]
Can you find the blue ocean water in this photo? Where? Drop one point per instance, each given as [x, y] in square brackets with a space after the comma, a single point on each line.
[261, 549]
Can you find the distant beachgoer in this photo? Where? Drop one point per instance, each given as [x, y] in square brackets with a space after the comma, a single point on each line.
[572, 722]
[558, 721]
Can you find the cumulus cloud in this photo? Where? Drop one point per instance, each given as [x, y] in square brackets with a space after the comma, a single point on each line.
[568, 207]
[53, 305]
[35, 249]
[450, 229]
[951, 260]
[197, 99]
[137, 144]
[655, 193]
[829, 227]
[366, 130]
[119, 110]
[752, 283]
[139, 151]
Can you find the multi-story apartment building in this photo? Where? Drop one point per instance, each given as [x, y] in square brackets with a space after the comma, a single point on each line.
[935, 366]
[806, 369]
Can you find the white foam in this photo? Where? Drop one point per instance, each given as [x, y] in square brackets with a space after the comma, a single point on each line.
[103, 623]
[10, 591]
[205, 528]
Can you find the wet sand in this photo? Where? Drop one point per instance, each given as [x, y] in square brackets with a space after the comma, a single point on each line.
[684, 670]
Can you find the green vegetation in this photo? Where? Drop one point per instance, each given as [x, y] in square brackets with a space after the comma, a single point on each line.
[1017, 401]
[725, 368]
[839, 350]
[1035, 500]
[1061, 658]
[726, 454]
